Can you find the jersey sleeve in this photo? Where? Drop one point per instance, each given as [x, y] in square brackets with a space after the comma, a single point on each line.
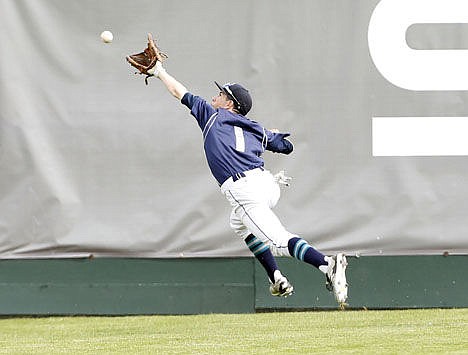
[277, 142]
[199, 108]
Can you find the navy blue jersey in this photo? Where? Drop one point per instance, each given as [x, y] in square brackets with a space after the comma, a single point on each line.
[232, 142]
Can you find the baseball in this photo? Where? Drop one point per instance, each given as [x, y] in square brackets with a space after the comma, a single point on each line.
[107, 36]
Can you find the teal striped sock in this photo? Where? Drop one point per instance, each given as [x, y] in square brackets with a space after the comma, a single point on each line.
[263, 254]
[301, 250]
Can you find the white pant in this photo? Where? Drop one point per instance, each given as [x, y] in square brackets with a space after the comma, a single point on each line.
[252, 199]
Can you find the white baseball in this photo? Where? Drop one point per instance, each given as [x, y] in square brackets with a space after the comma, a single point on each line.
[107, 36]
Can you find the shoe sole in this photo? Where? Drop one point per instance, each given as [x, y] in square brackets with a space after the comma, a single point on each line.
[340, 287]
[286, 292]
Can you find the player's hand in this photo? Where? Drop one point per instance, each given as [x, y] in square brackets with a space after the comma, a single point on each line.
[157, 69]
[282, 179]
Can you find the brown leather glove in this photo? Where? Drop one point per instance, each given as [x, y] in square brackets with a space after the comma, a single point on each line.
[145, 61]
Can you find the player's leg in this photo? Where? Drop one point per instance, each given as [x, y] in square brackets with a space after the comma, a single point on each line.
[265, 225]
[302, 250]
[297, 247]
[255, 214]
[334, 267]
[279, 285]
[251, 202]
[263, 254]
[259, 249]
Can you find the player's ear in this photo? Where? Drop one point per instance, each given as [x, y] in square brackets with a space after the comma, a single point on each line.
[231, 105]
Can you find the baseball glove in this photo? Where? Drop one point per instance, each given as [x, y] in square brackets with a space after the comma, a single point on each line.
[145, 61]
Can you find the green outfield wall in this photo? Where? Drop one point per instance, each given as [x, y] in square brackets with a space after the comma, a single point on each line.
[116, 286]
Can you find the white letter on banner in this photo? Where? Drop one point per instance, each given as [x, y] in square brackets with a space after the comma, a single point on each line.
[438, 70]
[425, 70]
[419, 136]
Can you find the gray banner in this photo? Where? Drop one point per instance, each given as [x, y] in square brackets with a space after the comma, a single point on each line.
[92, 161]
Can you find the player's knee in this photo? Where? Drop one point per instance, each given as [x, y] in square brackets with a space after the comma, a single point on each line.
[240, 230]
[282, 251]
[280, 245]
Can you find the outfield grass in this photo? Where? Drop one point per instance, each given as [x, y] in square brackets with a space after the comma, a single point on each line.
[402, 331]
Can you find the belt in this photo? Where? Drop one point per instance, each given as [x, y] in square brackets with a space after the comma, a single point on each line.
[242, 174]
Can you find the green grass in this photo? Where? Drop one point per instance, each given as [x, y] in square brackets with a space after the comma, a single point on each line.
[396, 331]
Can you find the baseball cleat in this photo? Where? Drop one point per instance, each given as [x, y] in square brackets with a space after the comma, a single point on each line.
[336, 278]
[281, 287]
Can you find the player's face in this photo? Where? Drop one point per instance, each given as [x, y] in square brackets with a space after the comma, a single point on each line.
[220, 101]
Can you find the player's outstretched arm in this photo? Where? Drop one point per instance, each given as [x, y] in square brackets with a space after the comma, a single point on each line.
[173, 86]
[149, 63]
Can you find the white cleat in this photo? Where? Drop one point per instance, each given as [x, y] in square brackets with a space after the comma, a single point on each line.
[336, 278]
[281, 287]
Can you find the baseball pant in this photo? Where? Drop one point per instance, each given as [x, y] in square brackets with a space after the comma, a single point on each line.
[252, 199]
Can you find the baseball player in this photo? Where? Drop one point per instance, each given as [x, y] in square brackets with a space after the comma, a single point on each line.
[233, 145]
